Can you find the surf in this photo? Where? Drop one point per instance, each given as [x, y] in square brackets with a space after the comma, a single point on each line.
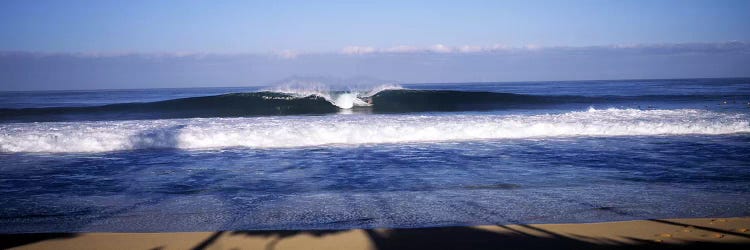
[311, 131]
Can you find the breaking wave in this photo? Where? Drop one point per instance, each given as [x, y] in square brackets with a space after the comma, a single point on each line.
[315, 101]
[303, 131]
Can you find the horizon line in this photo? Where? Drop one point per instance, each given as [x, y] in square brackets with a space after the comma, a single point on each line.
[386, 82]
[358, 50]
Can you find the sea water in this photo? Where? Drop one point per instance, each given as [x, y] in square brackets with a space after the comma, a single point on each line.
[405, 155]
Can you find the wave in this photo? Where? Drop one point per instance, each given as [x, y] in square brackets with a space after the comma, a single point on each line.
[227, 105]
[304, 131]
[405, 100]
[342, 99]
[289, 101]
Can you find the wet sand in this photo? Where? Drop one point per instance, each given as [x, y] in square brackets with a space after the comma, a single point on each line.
[704, 233]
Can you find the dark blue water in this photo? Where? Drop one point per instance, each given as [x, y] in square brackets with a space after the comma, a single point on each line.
[638, 149]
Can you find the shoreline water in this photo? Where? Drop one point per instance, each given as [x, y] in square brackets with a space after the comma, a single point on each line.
[693, 233]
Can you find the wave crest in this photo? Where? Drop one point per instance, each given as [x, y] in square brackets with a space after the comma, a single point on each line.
[345, 99]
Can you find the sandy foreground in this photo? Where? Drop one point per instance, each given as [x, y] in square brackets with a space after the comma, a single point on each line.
[706, 233]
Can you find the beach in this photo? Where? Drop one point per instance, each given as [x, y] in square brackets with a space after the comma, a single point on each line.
[702, 233]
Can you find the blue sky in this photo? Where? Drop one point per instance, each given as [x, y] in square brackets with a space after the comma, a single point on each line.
[41, 42]
[312, 26]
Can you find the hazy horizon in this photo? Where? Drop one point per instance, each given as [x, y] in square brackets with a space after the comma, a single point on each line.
[337, 86]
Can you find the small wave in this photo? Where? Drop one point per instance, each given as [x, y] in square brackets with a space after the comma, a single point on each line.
[303, 131]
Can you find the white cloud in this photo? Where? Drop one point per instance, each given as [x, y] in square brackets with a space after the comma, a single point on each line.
[402, 49]
[358, 50]
[471, 49]
[288, 54]
[532, 47]
[439, 48]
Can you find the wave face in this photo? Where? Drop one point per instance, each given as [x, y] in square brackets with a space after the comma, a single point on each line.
[394, 101]
[398, 101]
[383, 99]
[272, 132]
[228, 105]
[279, 101]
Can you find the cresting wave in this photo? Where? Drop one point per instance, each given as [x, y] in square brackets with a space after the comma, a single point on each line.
[341, 99]
[303, 131]
[383, 99]
[264, 103]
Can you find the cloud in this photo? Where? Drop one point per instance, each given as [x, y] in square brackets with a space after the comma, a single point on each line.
[732, 46]
[436, 48]
[439, 48]
[288, 54]
[402, 49]
[358, 50]
[470, 49]
[466, 63]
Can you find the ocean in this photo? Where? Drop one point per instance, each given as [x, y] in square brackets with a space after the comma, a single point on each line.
[410, 155]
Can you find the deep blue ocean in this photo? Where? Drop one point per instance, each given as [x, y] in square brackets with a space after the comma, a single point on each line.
[312, 156]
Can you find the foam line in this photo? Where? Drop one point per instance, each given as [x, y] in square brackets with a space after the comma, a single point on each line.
[302, 131]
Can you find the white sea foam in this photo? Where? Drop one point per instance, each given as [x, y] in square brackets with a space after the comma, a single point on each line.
[342, 99]
[301, 131]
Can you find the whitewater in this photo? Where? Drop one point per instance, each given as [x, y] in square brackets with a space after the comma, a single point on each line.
[271, 132]
[342, 99]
